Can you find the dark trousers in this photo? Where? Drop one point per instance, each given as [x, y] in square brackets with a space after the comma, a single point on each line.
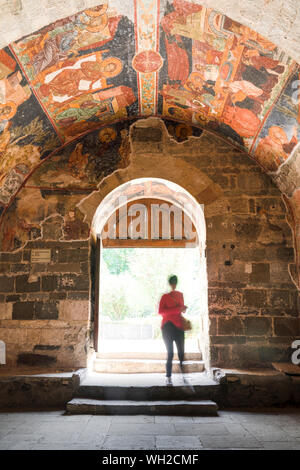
[171, 333]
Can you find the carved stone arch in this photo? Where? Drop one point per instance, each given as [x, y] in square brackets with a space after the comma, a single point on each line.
[136, 190]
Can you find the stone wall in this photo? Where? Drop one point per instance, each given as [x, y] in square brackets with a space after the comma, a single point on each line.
[45, 307]
[253, 303]
[37, 391]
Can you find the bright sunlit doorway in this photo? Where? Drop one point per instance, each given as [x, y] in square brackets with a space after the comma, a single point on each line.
[132, 265]
[132, 283]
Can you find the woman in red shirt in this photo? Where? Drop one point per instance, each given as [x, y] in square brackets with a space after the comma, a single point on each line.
[171, 307]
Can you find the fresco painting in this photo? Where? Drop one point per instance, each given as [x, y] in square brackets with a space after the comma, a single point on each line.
[69, 92]
[61, 182]
[181, 132]
[147, 61]
[23, 221]
[281, 132]
[75, 70]
[221, 74]
[83, 163]
[22, 146]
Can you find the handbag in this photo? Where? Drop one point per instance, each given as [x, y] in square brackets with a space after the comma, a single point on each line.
[187, 325]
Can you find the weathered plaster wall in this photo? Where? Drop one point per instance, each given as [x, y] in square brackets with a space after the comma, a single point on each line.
[45, 308]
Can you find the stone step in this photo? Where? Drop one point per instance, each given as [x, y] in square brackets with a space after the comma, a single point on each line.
[142, 366]
[147, 387]
[131, 407]
[159, 355]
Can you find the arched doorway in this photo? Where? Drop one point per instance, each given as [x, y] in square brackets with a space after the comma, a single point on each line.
[151, 212]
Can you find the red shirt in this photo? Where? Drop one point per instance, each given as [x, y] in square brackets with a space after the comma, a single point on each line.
[170, 306]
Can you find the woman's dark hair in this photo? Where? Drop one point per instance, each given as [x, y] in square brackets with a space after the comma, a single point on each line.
[173, 279]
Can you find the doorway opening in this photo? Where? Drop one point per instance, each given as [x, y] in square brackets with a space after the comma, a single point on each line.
[143, 231]
[132, 280]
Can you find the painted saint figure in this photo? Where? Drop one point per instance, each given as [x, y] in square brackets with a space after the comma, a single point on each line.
[11, 91]
[274, 149]
[78, 161]
[84, 75]
[54, 50]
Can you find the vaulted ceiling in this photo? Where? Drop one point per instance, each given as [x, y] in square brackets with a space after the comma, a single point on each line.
[73, 87]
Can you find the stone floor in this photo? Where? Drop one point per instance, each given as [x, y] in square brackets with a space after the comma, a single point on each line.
[268, 429]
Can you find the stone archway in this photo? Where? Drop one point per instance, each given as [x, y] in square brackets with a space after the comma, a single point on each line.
[191, 211]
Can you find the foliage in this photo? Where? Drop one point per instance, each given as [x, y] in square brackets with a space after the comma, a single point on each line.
[135, 279]
[34, 133]
[114, 299]
[117, 260]
[34, 130]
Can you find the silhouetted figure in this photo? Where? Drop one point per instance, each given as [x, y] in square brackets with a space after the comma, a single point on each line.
[171, 307]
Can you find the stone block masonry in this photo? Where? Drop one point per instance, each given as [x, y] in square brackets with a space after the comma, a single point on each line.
[44, 312]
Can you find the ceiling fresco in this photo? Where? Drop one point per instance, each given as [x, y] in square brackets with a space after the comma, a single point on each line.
[69, 91]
